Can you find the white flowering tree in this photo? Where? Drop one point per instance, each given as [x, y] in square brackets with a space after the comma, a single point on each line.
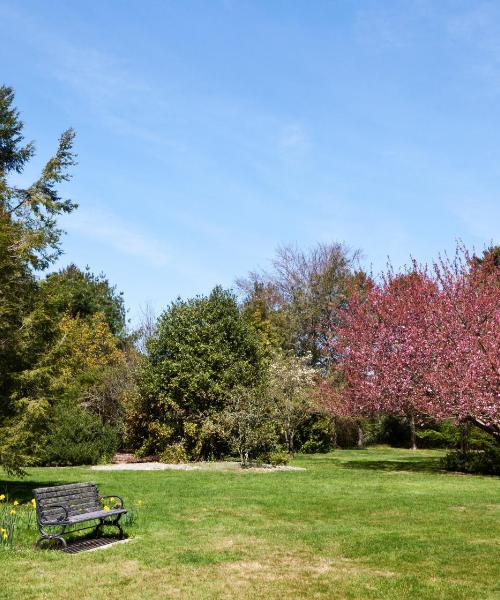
[247, 422]
[291, 389]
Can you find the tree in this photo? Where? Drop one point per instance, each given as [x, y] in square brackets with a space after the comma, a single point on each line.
[146, 328]
[290, 384]
[29, 241]
[202, 349]
[248, 422]
[83, 294]
[384, 347]
[35, 208]
[425, 343]
[465, 334]
[82, 356]
[17, 289]
[303, 290]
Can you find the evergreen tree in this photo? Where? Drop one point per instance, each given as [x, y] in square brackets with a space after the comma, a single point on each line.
[29, 242]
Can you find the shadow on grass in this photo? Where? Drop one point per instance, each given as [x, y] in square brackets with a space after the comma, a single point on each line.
[23, 490]
[426, 465]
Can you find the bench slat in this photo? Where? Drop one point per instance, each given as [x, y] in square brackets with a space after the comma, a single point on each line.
[98, 514]
[72, 510]
[62, 488]
[67, 493]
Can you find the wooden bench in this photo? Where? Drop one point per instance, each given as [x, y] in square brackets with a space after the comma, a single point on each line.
[61, 506]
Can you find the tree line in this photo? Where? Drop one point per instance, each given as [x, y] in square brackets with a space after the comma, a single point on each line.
[311, 354]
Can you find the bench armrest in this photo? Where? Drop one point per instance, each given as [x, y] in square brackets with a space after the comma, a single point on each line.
[60, 519]
[113, 496]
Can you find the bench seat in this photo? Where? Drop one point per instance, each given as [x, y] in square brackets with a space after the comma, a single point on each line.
[98, 514]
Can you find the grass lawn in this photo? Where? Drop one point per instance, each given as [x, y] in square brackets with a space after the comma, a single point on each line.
[376, 523]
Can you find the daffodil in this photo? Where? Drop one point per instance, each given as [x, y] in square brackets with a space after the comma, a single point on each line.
[106, 508]
[33, 503]
[12, 512]
[4, 535]
[112, 499]
[2, 497]
[16, 502]
[140, 502]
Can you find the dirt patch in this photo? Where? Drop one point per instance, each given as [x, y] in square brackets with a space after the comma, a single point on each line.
[201, 466]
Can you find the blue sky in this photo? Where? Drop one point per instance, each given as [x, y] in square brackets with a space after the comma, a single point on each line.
[208, 133]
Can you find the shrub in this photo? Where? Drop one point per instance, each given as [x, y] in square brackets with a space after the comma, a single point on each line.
[174, 454]
[486, 462]
[317, 434]
[394, 431]
[278, 457]
[346, 432]
[77, 437]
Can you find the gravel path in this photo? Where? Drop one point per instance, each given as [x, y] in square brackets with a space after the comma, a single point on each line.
[207, 466]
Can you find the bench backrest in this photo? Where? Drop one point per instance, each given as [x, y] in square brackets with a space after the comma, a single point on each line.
[77, 498]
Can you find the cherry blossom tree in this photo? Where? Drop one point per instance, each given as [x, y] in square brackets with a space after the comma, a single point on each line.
[465, 332]
[424, 343]
[384, 352]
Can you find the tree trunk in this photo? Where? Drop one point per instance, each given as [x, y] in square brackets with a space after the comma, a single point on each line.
[244, 458]
[464, 436]
[334, 436]
[361, 437]
[290, 443]
[413, 433]
[490, 428]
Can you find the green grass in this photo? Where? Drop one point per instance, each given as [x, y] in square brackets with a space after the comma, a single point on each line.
[377, 523]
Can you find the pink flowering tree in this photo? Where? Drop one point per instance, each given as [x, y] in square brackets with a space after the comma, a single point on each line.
[465, 333]
[383, 348]
[424, 344]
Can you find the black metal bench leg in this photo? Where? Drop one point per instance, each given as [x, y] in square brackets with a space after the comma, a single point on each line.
[116, 523]
[51, 537]
[98, 529]
[120, 529]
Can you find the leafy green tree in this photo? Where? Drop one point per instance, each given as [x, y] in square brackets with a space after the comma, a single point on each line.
[81, 358]
[29, 241]
[248, 422]
[75, 436]
[83, 294]
[76, 293]
[202, 349]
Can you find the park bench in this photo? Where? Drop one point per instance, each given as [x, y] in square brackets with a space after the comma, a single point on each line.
[61, 506]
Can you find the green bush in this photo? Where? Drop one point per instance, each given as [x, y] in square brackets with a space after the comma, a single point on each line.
[77, 437]
[486, 462]
[346, 432]
[279, 457]
[317, 434]
[394, 431]
[174, 454]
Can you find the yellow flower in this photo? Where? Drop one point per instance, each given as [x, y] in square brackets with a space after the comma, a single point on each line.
[2, 497]
[4, 535]
[112, 499]
[2, 530]
[16, 502]
[140, 502]
[12, 512]
[33, 503]
[106, 508]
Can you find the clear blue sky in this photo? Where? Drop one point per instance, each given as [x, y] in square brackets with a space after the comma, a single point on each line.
[210, 132]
